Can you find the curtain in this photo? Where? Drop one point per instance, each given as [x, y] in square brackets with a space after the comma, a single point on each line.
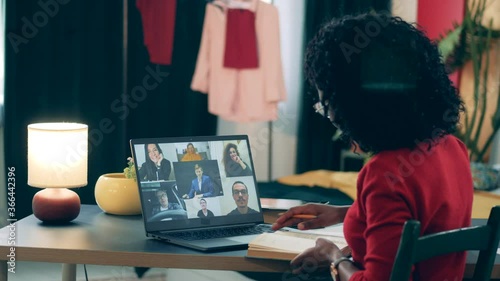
[63, 65]
[171, 108]
[64, 62]
[316, 148]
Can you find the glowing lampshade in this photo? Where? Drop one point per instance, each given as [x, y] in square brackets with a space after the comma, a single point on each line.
[57, 160]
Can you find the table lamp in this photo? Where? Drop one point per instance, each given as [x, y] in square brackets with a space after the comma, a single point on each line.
[57, 160]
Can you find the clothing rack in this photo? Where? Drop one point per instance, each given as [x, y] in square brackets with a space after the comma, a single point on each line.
[270, 146]
[125, 65]
[125, 44]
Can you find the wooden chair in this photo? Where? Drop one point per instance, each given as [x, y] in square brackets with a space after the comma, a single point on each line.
[413, 249]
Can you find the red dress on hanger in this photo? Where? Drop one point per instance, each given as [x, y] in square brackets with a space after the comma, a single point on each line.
[158, 23]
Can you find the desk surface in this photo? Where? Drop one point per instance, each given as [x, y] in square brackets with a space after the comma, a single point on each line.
[102, 239]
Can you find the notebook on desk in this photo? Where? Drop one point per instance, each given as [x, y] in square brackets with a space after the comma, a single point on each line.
[199, 192]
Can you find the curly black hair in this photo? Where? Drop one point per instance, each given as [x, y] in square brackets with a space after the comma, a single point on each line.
[383, 82]
[226, 158]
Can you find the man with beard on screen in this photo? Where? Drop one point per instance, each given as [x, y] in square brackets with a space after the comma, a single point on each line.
[240, 196]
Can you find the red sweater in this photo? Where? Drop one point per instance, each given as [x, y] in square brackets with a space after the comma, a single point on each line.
[433, 187]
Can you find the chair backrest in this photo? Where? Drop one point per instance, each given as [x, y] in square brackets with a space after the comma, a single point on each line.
[413, 249]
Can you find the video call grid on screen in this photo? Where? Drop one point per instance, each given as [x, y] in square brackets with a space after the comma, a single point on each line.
[179, 163]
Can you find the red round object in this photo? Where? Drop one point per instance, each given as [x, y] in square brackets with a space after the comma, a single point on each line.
[56, 205]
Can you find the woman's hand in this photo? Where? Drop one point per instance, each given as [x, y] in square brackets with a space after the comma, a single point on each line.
[316, 258]
[237, 159]
[326, 215]
[158, 160]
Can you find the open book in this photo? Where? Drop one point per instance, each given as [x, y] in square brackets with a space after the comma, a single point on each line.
[286, 244]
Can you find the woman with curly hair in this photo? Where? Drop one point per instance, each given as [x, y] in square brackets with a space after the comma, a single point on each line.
[382, 83]
[233, 165]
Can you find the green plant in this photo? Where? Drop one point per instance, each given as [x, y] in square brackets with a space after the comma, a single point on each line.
[471, 41]
[129, 171]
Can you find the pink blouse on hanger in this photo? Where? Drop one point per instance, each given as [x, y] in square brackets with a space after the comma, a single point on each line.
[241, 95]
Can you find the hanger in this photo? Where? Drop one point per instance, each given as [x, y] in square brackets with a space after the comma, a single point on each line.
[217, 3]
[233, 4]
[240, 4]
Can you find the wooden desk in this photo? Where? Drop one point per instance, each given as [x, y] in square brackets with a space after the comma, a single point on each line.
[101, 239]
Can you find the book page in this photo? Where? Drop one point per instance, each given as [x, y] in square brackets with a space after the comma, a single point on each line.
[333, 230]
[294, 242]
[277, 241]
[339, 241]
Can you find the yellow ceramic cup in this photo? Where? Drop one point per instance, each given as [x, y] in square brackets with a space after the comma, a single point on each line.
[115, 194]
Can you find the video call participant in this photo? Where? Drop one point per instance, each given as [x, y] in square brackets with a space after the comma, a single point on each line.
[161, 194]
[156, 167]
[233, 165]
[240, 196]
[204, 212]
[201, 186]
[191, 154]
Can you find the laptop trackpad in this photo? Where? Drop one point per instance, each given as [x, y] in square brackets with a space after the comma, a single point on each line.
[229, 242]
[244, 239]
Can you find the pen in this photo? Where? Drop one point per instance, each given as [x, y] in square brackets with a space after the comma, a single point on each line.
[301, 216]
[304, 216]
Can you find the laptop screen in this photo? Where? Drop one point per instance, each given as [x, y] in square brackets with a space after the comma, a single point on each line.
[194, 182]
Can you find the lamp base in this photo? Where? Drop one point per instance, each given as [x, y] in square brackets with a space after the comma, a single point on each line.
[56, 205]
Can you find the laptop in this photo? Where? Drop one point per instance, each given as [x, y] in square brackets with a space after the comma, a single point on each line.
[199, 192]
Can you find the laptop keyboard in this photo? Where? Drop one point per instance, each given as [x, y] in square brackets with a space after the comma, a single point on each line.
[221, 232]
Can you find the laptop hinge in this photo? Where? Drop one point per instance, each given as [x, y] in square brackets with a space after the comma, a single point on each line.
[209, 228]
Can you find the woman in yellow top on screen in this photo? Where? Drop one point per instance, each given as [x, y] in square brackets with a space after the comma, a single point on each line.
[191, 154]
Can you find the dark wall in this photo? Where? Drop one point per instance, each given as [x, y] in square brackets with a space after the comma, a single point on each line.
[64, 62]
